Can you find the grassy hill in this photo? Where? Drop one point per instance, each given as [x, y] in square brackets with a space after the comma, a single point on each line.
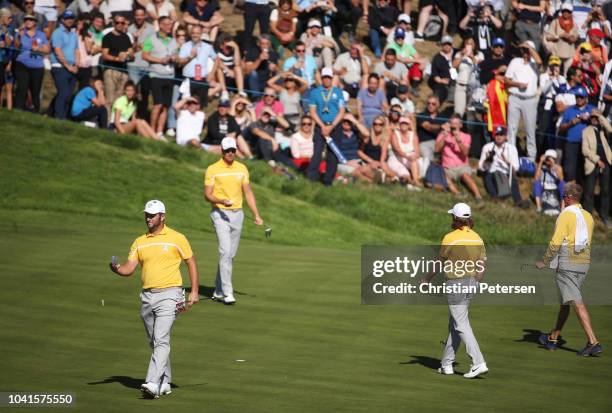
[298, 338]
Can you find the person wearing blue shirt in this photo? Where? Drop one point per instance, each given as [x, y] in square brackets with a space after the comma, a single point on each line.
[194, 56]
[302, 64]
[64, 63]
[88, 104]
[29, 67]
[327, 108]
[575, 120]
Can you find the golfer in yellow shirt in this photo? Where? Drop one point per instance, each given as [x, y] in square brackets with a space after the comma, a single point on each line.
[224, 184]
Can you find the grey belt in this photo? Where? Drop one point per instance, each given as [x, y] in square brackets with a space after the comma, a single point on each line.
[522, 97]
[158, 290]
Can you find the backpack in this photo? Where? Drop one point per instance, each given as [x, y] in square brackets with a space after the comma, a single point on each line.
[433, 28]
[435, 176]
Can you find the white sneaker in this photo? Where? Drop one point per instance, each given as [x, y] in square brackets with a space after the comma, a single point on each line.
[225, 95]
[150, 389]
[165, 389]
[229, 300]
[447, 370]
[171, 133]
[476, 370]
[217, 297]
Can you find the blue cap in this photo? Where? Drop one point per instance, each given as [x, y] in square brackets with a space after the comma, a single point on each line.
[399, 32]
[580, 91]
[68, 14]
[498, 41]
[500, 130]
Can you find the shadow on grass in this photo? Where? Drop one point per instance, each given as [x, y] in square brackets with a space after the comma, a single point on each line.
[425, 361]
[532, 336]
[134, 383]
[207, 292]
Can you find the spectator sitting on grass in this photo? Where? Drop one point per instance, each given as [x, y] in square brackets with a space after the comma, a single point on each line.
[392, 72]
[404, 153]
[265, 130]
[302, 143]
[454, 147]
[124, 119]
[371, 101]
[231, 64]
[347, 137]
[499, 163]
[548, 184]
[302, 65]
[242, 112]
[88, 104]
[353, 68]
[290, 95]
[190, 121]
[322, 47]
[372, 153]
[221, 125]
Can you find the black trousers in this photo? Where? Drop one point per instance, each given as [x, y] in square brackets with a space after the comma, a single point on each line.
[96, 114]
[573, 161]
[199, 88]
[312, 172]
[588, 198]
[28, 79]
[489, 182]
[256, 13]
[265, 148]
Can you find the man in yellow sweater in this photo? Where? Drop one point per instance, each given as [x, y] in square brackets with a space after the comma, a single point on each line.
[569, 253]
[160, 252]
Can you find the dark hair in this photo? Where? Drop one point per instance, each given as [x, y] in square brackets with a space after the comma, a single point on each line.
[299, 43]
[459, 223]
[390, 52]
[96, 15]
[456, 116]
[127, 84]
[571, 72]
[373, 76]
[281, 2]
[162, 18]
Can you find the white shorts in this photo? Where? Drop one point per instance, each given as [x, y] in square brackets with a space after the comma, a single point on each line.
[185, 141]
[399, 166]
[50, 13]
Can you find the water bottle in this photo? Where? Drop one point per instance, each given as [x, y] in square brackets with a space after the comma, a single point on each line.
[334, 148]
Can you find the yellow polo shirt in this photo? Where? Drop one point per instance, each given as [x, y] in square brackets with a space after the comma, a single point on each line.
[227, 181]
[565, 236]
[462, 245]
[160, 257]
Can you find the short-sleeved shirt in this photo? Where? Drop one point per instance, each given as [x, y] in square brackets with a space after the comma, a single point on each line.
[328, 102]
[227, 181]
[352, 66]
[164, 10]
[126, 107]
[160, 257]
[307, 72]
[28, 58]
[424, 135]
[83, 100]
[263, 70]
[574, 134]
[405, 51]
[205, 52]
[115, 45]
[398, 70]
[67, 41]
[371, 104]
[206, 13]
[452, 156]
[463, 244]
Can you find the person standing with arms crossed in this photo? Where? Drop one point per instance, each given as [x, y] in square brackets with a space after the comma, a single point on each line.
[462, 244]
[569, 252]
[160, 252]
[225, 182]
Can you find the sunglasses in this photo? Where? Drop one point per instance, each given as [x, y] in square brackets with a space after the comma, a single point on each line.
[378, 124]
[121, 23]
[230, 150]
[300, 50]
[150, 216]
[432, 103]
[28, 2]
[306, 123]
[269, 96]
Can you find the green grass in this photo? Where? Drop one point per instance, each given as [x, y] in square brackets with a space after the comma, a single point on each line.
[70, 198]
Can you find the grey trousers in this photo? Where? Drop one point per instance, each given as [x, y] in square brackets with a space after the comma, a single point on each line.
[528, 31]
[528, 110]
[428, 149]
[158, 312]
[459, 328]
[228, 226]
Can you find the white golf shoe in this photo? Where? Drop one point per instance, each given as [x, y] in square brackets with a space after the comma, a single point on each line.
[447, 370]
[165, 389]
[217, 297]
[476, 371]
[150, 389]
[229, 299]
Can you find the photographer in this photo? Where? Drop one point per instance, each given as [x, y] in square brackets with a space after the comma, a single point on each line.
[548, 184]
[597, 161]
[499, 163]
[481, 24]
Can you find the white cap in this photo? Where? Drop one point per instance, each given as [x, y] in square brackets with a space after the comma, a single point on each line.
[446, 40]
[567, 6]
[461, 210]
[403, 18]
[531, 44]
[550, 153]
[155, 207]
[228, 143]
[314, 23]
[395, 101]
[327, 71]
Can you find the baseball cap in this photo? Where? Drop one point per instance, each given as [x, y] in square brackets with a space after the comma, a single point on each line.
[567, 6]
[500, 130]
[461, 210]
[327, 72]
[29, 17]
[596, 33]
[154, 207]
[314, 23]
[530, 44]
[446, 40]
[399, 32]
[225, 103]
[402, 89]
[586, 46]
[498, 41]
[580, 91]
[550, 153]
[554, 60]
[404, 119]
[228, 143]
[395, 101]
[403, 18]
[68, 14]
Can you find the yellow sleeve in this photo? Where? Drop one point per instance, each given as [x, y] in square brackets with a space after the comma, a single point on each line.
[209, 177]
[561, 231]
[444, 247]
[133, 254]
[184, 248]
[246, 176]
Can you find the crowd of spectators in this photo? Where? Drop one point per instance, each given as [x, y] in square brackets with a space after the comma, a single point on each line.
[515, 88]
